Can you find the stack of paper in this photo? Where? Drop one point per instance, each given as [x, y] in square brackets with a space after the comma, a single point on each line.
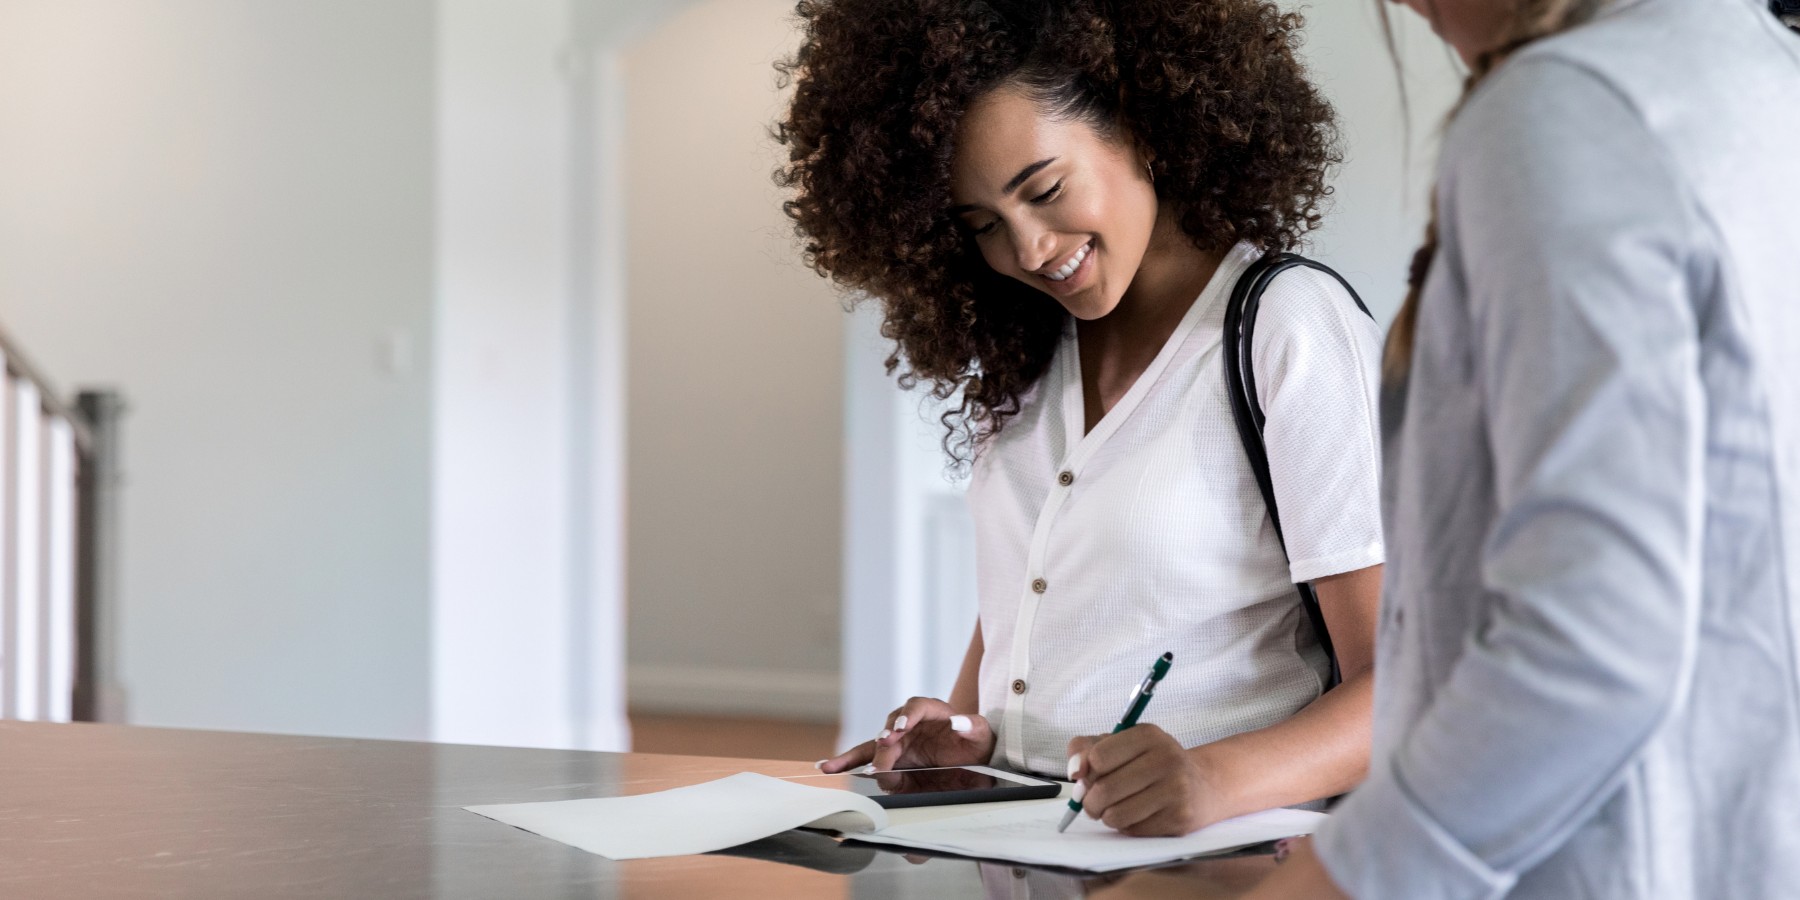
[747, 807]
[1028, 835]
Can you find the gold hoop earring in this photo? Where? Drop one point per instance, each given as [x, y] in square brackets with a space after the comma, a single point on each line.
[1149, 172]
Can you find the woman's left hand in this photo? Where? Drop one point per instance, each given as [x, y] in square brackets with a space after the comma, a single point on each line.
[1141, 782]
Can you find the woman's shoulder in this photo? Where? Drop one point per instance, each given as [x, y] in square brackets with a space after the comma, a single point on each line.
[1546, 164]
[1672, 89]
[1312, 338]
[1306, 304]
[1304, 287]
[1660, 57]
[1524, 119]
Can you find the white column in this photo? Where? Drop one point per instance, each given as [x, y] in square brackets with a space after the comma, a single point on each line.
[25, 590]
[59, 570]
[596, 376]
[527, 625]
[9, 514]
[909, 592]
[499, 594]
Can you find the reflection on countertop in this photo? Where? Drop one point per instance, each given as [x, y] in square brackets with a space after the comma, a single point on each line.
[104, 810]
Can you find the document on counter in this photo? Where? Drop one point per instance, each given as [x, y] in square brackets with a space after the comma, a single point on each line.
[746, 807]
[1028, 835]
[697, 819]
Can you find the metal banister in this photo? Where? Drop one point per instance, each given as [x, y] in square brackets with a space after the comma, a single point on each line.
[20, 365]
[96, 545]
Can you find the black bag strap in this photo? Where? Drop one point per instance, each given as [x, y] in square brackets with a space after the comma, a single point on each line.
[1240, 383]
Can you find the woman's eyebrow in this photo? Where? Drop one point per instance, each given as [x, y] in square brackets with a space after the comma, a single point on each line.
[1011, 186]
[1025, 173]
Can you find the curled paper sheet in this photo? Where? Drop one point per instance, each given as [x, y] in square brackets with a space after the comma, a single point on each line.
[697, 819]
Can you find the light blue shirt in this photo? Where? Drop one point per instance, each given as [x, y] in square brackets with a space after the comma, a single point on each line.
[1586, 678]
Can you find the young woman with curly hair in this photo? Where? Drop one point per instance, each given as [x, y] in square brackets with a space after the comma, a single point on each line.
[1052, 201]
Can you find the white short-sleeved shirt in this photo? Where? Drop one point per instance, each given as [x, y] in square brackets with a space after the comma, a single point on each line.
[1096, 553]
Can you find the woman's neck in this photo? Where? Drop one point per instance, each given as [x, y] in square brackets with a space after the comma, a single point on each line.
[1473, 27]
[1117, 347]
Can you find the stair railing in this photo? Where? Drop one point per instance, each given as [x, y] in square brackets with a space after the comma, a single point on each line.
[56, 504]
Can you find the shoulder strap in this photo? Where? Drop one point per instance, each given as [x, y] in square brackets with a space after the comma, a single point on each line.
[1246, 410]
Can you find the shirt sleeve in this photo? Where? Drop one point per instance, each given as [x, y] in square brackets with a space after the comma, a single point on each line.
[1316, 359]
[1580, 256]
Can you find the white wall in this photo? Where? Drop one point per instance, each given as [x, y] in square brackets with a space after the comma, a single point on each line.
[357, 268]
[1377, 215]
[735, 424]
[223, 207]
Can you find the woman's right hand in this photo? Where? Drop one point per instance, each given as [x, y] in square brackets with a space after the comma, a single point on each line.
[923, 733]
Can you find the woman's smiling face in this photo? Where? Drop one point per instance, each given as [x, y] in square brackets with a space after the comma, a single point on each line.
[1055, 204]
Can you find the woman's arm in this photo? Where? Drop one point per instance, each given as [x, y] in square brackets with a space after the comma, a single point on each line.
[1323, 750]
[965, 696]
[1142, 782]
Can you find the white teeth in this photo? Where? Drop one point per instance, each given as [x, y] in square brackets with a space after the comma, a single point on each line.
[1069, 267]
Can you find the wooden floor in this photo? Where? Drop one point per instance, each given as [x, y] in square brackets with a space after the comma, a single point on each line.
[741, 738]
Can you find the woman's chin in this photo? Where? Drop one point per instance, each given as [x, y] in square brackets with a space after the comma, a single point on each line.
[1088, 305]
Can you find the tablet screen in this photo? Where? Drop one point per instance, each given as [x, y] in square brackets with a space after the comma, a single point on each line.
[930, 787]
[933, 781]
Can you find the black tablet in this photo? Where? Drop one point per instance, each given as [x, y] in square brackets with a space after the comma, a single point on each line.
[902, 788]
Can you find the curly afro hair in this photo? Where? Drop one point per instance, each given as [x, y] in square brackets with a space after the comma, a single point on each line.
[1211, 90]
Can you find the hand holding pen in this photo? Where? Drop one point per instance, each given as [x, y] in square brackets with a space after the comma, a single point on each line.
[1140, 699]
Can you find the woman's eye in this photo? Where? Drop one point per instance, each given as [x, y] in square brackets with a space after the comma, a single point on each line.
[1046, 196]
[985, 228]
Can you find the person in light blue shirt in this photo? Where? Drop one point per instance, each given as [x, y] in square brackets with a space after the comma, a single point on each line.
[1586, 680]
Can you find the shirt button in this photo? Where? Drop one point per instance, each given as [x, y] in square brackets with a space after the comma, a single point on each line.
[1018, 685]
[1066, 479]
[1039, 585]
[1018, 873]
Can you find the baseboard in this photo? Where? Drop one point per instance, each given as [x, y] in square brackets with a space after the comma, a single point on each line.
[686, 690]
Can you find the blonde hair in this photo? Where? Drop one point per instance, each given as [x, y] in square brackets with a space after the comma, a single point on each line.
[1530, 21]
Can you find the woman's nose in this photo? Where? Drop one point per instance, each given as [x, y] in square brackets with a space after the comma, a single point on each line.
[1035, 249]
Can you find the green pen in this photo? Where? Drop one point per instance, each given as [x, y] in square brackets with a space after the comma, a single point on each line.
[1140, 698]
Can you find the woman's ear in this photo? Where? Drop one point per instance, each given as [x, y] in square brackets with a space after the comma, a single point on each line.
[1147, 157]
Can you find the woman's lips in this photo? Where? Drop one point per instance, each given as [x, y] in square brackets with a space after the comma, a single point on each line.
[1062, 272]
[1082, 263]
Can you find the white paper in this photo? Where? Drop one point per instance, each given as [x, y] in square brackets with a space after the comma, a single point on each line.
[697, 819]
[1029, 835]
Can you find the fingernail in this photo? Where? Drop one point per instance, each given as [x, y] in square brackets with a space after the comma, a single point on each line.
[900, 724]
[1080, 791]
[864, 770]
[820, 764]
[884, 734]
[960, 723]
[1074, 766]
